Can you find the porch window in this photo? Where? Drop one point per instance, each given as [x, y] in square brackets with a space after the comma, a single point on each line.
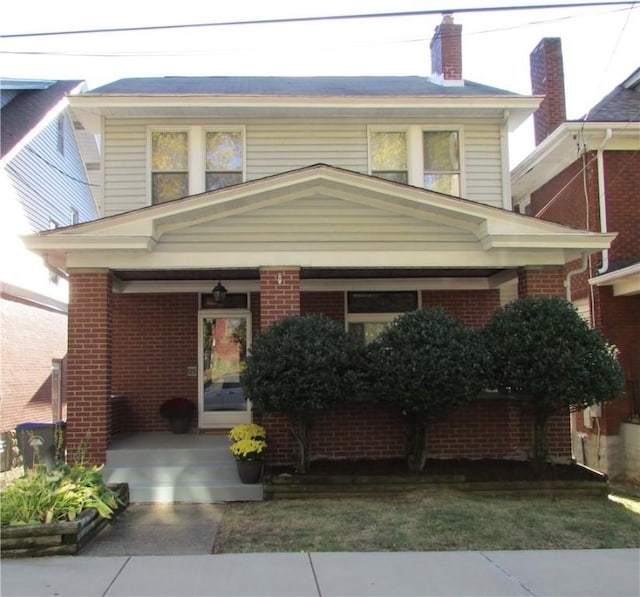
[389, 155]
[369, 312]
[224, 159]
[169, 165]
[441, 156]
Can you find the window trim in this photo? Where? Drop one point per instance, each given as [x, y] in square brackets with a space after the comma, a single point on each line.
[415, 160]
[196, 147]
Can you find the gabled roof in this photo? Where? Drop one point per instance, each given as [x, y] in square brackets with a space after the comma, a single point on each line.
[293, 86]
[30, 103]
[302, 97]
[613, 123]
[621, 105]
[320, 216]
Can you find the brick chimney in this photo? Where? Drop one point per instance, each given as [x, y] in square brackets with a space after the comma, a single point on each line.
[547, 78]
[446, 53]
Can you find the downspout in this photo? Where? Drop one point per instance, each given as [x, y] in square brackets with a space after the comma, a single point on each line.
[602, 203]
[575, 272]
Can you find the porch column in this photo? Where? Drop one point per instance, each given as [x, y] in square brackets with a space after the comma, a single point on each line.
[279, 294]
[89, 365]
[541, 281]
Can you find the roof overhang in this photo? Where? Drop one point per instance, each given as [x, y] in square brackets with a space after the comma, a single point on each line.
[564, 146]
[625, 281]
[91, 108]
[412, 228]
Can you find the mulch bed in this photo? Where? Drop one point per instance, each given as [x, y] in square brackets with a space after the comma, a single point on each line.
[471, 470]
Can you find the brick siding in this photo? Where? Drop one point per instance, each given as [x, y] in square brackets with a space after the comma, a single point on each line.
[31, 337]
[488, 428]
[154, 343]
[89, 366]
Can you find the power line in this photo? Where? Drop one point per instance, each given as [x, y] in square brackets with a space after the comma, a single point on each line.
[321, 18]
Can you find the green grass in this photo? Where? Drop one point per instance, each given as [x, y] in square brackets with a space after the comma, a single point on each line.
[427, 522]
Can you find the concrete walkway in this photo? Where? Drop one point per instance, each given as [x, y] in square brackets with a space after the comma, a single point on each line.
[611, 573]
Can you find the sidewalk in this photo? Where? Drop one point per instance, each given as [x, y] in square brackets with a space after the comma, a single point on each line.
[611, 573]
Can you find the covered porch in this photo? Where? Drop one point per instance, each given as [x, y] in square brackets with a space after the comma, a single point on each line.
[144, 324]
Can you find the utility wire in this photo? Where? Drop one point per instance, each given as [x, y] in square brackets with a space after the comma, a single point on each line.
[321, 18]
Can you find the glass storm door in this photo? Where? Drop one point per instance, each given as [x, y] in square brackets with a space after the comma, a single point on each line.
[224, 340]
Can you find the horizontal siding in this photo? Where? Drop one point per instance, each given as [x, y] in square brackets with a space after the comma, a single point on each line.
[280, 145]
[483, 164]
[49, 184]
[125, 165]
[318, 219]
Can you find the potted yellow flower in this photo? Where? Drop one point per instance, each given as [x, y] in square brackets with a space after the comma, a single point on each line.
[248, 449]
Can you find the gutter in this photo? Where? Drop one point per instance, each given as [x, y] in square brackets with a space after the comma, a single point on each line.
[575, 272]
[602, 203]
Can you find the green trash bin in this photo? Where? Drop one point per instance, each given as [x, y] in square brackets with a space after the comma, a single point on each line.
[40, 443]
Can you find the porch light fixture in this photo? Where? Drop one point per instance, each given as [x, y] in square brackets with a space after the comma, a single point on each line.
[219, 293]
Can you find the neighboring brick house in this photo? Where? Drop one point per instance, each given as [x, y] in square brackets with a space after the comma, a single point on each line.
[586, 174]
[357, 197]
[43, 184]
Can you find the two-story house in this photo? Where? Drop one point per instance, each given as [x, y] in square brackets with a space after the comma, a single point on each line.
[356, 197]
[586, 174]
[44, 184]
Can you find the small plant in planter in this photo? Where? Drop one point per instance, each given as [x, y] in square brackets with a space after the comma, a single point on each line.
[248, 449]
[179, 412]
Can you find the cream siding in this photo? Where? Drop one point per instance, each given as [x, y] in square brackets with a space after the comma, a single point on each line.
[280, 145]
[319, 219]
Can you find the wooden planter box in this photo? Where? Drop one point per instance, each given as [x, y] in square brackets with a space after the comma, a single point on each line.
[57, 538]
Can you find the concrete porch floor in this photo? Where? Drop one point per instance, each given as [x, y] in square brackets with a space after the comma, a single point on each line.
[163, 467]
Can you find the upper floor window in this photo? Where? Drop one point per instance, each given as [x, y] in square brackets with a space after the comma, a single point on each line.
[441, 156]
[169, 165]
[223, 159]
[389, 155]
[193, 160]
[417, 156]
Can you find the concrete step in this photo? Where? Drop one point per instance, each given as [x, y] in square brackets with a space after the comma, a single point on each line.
[166, 468]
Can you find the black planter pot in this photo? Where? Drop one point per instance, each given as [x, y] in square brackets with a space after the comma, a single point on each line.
[180, 424]
[249, 471]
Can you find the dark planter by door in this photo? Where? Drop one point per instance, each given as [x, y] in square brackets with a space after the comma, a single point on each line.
[180, 424]
[249, 471]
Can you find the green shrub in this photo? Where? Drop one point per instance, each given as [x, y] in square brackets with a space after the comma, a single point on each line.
[541, 349]
[61, 495]
[427, 363]
[299, 366]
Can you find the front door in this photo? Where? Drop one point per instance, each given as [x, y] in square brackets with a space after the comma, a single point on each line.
[224, 341]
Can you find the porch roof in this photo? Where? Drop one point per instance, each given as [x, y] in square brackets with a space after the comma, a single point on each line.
[316, 217]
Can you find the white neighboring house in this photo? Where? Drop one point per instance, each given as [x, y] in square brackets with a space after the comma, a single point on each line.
[44, 184]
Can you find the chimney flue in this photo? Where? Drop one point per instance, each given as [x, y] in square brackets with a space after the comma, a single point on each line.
[446, 53]
[547, 79]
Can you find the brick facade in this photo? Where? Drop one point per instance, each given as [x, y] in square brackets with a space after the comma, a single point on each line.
[541, 282]
[26, 353]
[471, 307]
[89, 366]
[154, 344]
[487, 428]
[279, 294]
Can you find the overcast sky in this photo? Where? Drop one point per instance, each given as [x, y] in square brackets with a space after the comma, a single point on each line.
[601, 45]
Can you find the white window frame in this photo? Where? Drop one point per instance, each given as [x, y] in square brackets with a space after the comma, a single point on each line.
[415, 161]
[196, 147]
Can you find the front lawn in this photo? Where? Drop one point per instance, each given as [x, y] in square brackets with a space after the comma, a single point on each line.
[429, 522]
